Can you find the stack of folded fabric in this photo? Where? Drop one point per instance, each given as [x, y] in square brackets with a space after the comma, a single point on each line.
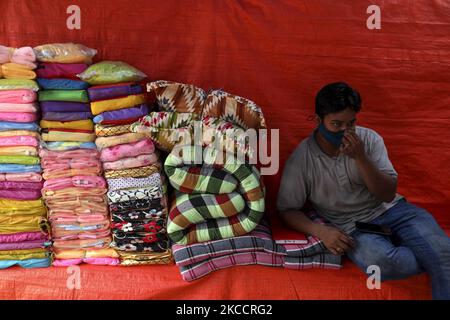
[24, 238]
[136, 192]
[74, 189]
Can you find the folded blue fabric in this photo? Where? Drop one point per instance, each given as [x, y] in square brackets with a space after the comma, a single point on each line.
[62, 84]
[122, 114]
[28, 263]
[6, 126]
[66, 116]
[68, 145]
[18, 168]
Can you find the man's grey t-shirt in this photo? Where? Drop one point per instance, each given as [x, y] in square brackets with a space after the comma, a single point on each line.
[334, 185]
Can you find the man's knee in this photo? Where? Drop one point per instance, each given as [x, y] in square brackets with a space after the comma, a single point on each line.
[391, 263]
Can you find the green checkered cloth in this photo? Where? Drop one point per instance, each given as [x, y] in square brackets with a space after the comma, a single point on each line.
[215, 199]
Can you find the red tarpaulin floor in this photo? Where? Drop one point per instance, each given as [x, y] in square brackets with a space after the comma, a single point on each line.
[242, 282]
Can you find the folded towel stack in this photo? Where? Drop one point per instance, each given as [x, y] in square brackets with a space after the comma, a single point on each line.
[132, 168]
[74, 190]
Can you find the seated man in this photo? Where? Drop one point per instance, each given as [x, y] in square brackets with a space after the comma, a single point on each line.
[345, 172]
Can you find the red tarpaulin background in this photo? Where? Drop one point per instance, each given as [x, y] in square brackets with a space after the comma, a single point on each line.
[279, 54]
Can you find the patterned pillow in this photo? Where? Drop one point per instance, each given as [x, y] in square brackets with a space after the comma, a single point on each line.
[166, 129]
[234, 109]
[178, 97]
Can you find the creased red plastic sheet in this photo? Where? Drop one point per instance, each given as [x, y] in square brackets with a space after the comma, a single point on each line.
[279, 54]
[164, 283]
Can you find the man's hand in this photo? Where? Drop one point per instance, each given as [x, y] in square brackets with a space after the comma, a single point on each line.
[337, 241]
[352, 145]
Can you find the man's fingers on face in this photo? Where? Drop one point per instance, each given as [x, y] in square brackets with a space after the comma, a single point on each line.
[352, 139]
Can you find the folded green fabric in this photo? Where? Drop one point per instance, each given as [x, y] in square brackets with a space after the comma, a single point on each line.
[16, 84]
[64, 95]
[20, 159]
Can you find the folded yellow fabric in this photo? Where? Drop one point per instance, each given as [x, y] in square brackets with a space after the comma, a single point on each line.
[18, 151]
[133, 173]
[105, 142]
[78, 124]
[14, 224]
[68, 136]
[20, 204]
[64, 53]
[9, 207]
[80, 253]
[98, 107]
[38, 253]
[17, 71]
[133, 259]
[13, 133]
[107, 131]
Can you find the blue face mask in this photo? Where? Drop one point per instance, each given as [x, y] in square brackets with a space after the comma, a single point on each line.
[335, 138]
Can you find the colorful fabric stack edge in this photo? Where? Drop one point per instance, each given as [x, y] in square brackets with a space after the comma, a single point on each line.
[24, 230]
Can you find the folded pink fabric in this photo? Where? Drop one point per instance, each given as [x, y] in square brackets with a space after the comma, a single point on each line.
[18, 116]
[24, 55]
[19, 141]
[64, 173]
[21, 185]
[69, 154]
[134, 149]
[75, 181]
[78, 208]
[126, 163]
[96, 261]
[63, 164]
[18, 96]
[60, 70]
[19, 107]
[33, 244]
[25, 177]
[22, 236]
[95, 194]
[69, 217]
[20, 194]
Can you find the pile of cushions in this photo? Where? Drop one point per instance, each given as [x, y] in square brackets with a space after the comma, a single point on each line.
[24, 238]
[213, 200]
[132, 168]
[217, 218]
[74, 189]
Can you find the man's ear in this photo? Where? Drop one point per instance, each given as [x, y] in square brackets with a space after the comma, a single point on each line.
[317, 119]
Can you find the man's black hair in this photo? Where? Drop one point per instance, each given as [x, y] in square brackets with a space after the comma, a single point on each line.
[335, 97]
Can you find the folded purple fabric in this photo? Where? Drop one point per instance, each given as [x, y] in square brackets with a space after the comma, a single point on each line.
[23, 245]
[20, 194]
[21, 185]
[60, 70]
[66, 116]
[114, 91]
[22, 236]
[121, 114]
[62, 106]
